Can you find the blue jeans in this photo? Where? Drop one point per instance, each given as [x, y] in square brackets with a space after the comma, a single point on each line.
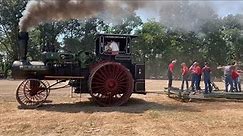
[198, 80]
[208, 87]
[237, 84]
[228, 81]
[193, 83]
[170, 77]
[184, 79]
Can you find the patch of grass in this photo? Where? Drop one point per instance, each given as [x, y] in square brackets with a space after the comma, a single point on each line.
[21, 128]
[154, 114]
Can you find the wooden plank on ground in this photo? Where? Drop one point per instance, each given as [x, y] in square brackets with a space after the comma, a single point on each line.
[228, 95]
[213, 95]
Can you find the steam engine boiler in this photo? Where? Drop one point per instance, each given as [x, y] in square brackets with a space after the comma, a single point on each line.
[110, 77]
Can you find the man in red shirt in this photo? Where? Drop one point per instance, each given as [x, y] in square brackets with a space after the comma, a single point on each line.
[198, 76]
[185, 74]
[171, 72]
[235, 76]
[207, 78]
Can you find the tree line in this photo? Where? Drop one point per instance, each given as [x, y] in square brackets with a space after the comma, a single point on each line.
[218, 41]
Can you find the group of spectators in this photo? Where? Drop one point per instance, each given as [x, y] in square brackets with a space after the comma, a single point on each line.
[231, 77]
[195, 73]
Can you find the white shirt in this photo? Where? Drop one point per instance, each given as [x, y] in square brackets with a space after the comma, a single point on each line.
[227, 70]
[114, 46]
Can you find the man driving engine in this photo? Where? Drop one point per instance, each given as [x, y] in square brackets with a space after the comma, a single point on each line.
[112, 46]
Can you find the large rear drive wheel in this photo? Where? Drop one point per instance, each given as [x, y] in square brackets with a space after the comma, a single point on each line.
[111, 84]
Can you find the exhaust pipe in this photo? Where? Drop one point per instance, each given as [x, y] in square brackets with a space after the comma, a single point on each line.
[23, 39]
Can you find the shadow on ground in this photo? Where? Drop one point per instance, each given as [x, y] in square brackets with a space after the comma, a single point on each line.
[134, 105]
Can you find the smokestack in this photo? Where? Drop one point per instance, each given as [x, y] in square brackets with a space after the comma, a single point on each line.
[23, 39]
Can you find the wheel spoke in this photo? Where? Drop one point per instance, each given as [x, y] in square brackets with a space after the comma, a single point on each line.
[102, 72]
[107, 70]
[97, 87]
[99, 80]
[31, 93]
[118, 74]
[101, 76]
[111, 84]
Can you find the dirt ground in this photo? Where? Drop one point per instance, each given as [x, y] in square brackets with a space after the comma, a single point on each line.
[144, 115]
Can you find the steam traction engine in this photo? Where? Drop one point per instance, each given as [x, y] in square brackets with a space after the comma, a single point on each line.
[110, 77]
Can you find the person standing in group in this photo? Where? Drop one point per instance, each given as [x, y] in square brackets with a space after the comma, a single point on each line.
[207, 78]
[185, 74]
[236, 77]
[192, 69]
[171, 72]
[198, 76]
[227, 76]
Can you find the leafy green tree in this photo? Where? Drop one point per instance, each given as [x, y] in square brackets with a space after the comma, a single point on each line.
[152, 47]
[80, 34]
[128, 25]
[10, 13]
[44, 36]
[232, 35]
[214, 45]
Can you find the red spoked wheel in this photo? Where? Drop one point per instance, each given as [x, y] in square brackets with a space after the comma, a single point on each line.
[111, 84]
[47, 86]
[31, 93]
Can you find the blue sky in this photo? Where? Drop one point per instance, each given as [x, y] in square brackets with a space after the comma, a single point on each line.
[222, 8]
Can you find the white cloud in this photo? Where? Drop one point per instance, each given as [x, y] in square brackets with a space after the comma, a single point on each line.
[222, 8]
